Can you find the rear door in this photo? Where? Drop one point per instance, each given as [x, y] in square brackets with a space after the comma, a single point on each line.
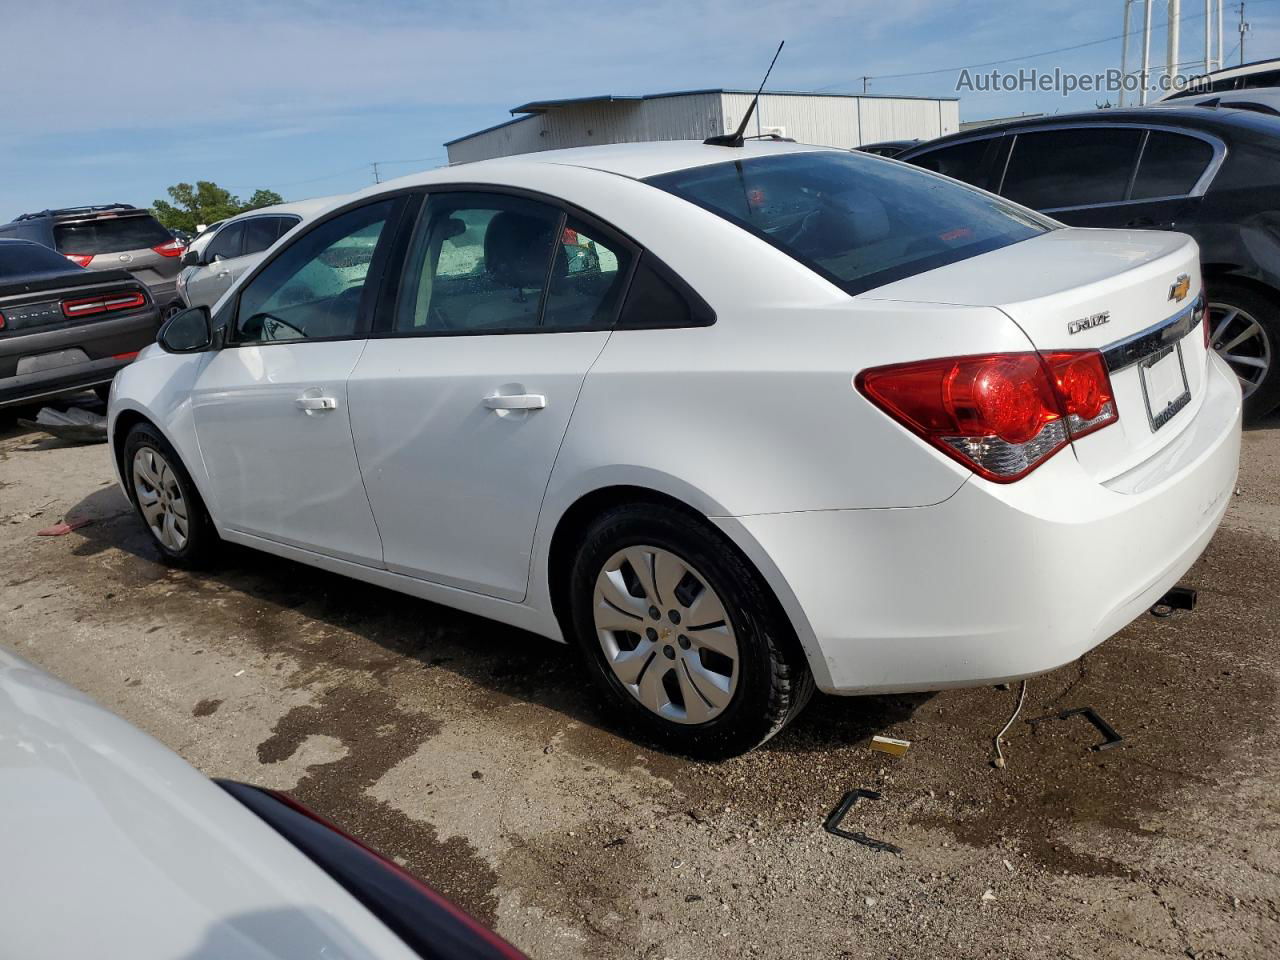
[271, 408]
[460, 403]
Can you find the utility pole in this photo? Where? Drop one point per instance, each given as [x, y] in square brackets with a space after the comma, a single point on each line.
[1244, 28]
[1174, 35]
[1124, 50]
[376, 178]
[1146, 50]
[1208, 35]
[865, 82]
[1222, 51]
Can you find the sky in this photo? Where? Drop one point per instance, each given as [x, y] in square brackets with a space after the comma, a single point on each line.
[302, 96]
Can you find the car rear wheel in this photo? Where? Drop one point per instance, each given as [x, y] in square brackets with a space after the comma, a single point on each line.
[681, 637]
[166, 499]
[1244, 329]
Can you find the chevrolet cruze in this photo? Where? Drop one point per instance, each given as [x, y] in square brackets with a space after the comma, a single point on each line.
[738, 421]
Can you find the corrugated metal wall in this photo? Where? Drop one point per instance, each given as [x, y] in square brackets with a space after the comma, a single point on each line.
[830, 121]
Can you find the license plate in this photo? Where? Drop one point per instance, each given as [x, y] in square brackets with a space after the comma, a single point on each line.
[1164, 385]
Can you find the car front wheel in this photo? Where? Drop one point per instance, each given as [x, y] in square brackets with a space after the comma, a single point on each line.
[681, 636]
[166, 499]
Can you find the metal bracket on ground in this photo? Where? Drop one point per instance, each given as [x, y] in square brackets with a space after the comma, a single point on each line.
[832, 823]
[1112, 738]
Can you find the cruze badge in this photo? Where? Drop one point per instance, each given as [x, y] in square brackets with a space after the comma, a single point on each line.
[1181, 287]
[1088, 323]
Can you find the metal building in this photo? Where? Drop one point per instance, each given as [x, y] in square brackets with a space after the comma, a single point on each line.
[835, 120]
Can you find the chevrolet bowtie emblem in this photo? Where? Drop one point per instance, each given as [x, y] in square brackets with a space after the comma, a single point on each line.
[1181, 287]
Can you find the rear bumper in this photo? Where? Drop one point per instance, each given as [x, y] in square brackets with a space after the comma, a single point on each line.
[107, 345]
[999, 581]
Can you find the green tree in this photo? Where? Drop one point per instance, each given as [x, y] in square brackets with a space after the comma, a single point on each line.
[205, 203]
[263, 198]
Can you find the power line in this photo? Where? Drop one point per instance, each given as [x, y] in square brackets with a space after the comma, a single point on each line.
[996, 63]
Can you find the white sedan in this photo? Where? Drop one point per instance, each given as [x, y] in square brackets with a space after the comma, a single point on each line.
[738, 421]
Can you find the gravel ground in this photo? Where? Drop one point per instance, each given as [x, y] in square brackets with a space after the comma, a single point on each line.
[468, 751]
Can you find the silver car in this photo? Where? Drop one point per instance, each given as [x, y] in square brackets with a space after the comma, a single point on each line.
[221, 254]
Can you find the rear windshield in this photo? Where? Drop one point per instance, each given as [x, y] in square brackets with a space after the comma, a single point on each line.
[110, 235]
[23, 259]
[857, 220]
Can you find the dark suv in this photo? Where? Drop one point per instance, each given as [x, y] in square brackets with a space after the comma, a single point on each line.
[116, 236]
[1208, 172]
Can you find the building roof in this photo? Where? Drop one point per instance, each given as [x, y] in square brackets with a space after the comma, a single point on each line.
[539, 106]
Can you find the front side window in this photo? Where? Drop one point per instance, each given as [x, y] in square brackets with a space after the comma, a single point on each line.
[1055, 169]
[854, 219]
[260, 233]
[492, 263]
[313, 288]
[227, 244]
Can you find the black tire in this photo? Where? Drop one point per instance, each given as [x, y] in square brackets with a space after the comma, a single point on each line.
[1265, 309]
[201, 542]
[773, 681]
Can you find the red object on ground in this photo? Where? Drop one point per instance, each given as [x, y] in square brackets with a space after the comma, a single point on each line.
[63, 528]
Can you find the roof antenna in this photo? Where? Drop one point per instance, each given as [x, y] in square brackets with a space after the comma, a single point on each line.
[736, 138]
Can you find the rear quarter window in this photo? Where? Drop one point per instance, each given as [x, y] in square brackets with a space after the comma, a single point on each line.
[857, 220]
[110, 235]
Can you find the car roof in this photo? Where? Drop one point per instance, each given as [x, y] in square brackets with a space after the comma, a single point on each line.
[634, 160]
[303, 208]
[1189, 116]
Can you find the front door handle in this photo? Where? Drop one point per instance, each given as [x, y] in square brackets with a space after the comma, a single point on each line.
[311, 404]
[518, 401]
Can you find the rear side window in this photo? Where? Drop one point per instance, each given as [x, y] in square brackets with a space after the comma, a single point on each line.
[1071, 168]
[852, 218]
[110, 235]
[964, 161]
[494, 263]
[227, 244]
[1171, 165]
[658, 299]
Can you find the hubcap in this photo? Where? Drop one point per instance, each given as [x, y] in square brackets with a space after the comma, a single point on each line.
[666, 635]
[1240, 340]
[160, 498]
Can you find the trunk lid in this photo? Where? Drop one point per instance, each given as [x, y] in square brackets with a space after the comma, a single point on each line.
[1131, 294]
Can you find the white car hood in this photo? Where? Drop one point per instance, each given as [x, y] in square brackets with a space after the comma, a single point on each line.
[113, 846]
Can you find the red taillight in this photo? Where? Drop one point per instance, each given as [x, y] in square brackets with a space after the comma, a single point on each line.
[110, 302]
[1001, 415]
[1, 321]
[174, 248]
[79, 259]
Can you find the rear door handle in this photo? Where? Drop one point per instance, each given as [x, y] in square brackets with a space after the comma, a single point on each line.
[518, 401]
[316, 403]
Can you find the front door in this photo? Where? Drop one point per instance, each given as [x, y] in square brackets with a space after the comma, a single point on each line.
[460, 407]
[271, 408]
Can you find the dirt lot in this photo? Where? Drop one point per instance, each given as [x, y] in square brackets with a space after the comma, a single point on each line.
[468, 751]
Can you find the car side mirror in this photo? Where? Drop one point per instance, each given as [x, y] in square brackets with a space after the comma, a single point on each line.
[191, 258]
[188, 331]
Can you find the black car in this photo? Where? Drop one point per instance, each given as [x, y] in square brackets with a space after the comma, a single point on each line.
[64, 328]
[887, 148]
[110, 237]
[1210, 173]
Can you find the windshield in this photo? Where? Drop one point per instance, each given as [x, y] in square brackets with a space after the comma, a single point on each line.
[857, 220]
